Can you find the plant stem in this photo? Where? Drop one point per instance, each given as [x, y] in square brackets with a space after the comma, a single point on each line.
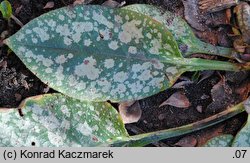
[197, 64]
[17, 20]
[144, 139]
[206, 48]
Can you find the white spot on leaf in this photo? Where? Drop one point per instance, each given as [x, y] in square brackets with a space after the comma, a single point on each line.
[109, 63]
[113, 45]
[88, 69]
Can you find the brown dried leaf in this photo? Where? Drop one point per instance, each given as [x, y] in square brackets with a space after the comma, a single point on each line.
[188, 141]
[113, 4]
[193, 15]
[18, 9]
[245, 57]
[220, 90]
[221, 94]
[207, 134]
[79, 2]
[239, 45]
[49, 5]
[205, 75]
[243, 90]
[178, 100]
[182, 84]
[130, 111]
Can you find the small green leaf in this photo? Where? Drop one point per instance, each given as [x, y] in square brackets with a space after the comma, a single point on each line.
[220, 141]
[96, 53]
[55, 120]
[6, 9]
[187, 41]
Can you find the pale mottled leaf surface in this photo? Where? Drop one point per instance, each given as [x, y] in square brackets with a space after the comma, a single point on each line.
[220, 141]
[97, 53]
[55, 120]
[182, 32]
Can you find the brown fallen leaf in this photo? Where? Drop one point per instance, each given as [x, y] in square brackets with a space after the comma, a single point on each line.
[220, 90]
[182, 84]
[205, 135]
[18, 9]
[205, 75]
[113, 4]
[222, 96]
[188, 141]
[239, 45]
[79, 2]
[178, 100]
[236, 77]
[244, 90]
[49, 5]
[245, 57]
[130, 111]
[193, 15]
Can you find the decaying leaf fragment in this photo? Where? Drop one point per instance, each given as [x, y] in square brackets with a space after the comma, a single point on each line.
[130, 111]
[178, 100]
[49, 5]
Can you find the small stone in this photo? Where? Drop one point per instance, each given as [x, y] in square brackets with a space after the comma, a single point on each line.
[15, 82]
[204, 96]
[46, 89]
[18, 97]
[161, 117]
[199, 108]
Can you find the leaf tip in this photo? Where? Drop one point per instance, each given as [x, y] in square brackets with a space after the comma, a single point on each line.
[6, 41]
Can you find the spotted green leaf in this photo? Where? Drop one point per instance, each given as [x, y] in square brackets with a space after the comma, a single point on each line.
[220, 141]
[55, 120]
[187, 41]
[96, 53]
[6, 9]
[242, 139]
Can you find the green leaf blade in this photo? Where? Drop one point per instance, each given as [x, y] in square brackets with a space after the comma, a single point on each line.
[98, 54]
[55, 120]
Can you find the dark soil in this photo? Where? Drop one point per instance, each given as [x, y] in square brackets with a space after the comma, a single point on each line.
[17, 82]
